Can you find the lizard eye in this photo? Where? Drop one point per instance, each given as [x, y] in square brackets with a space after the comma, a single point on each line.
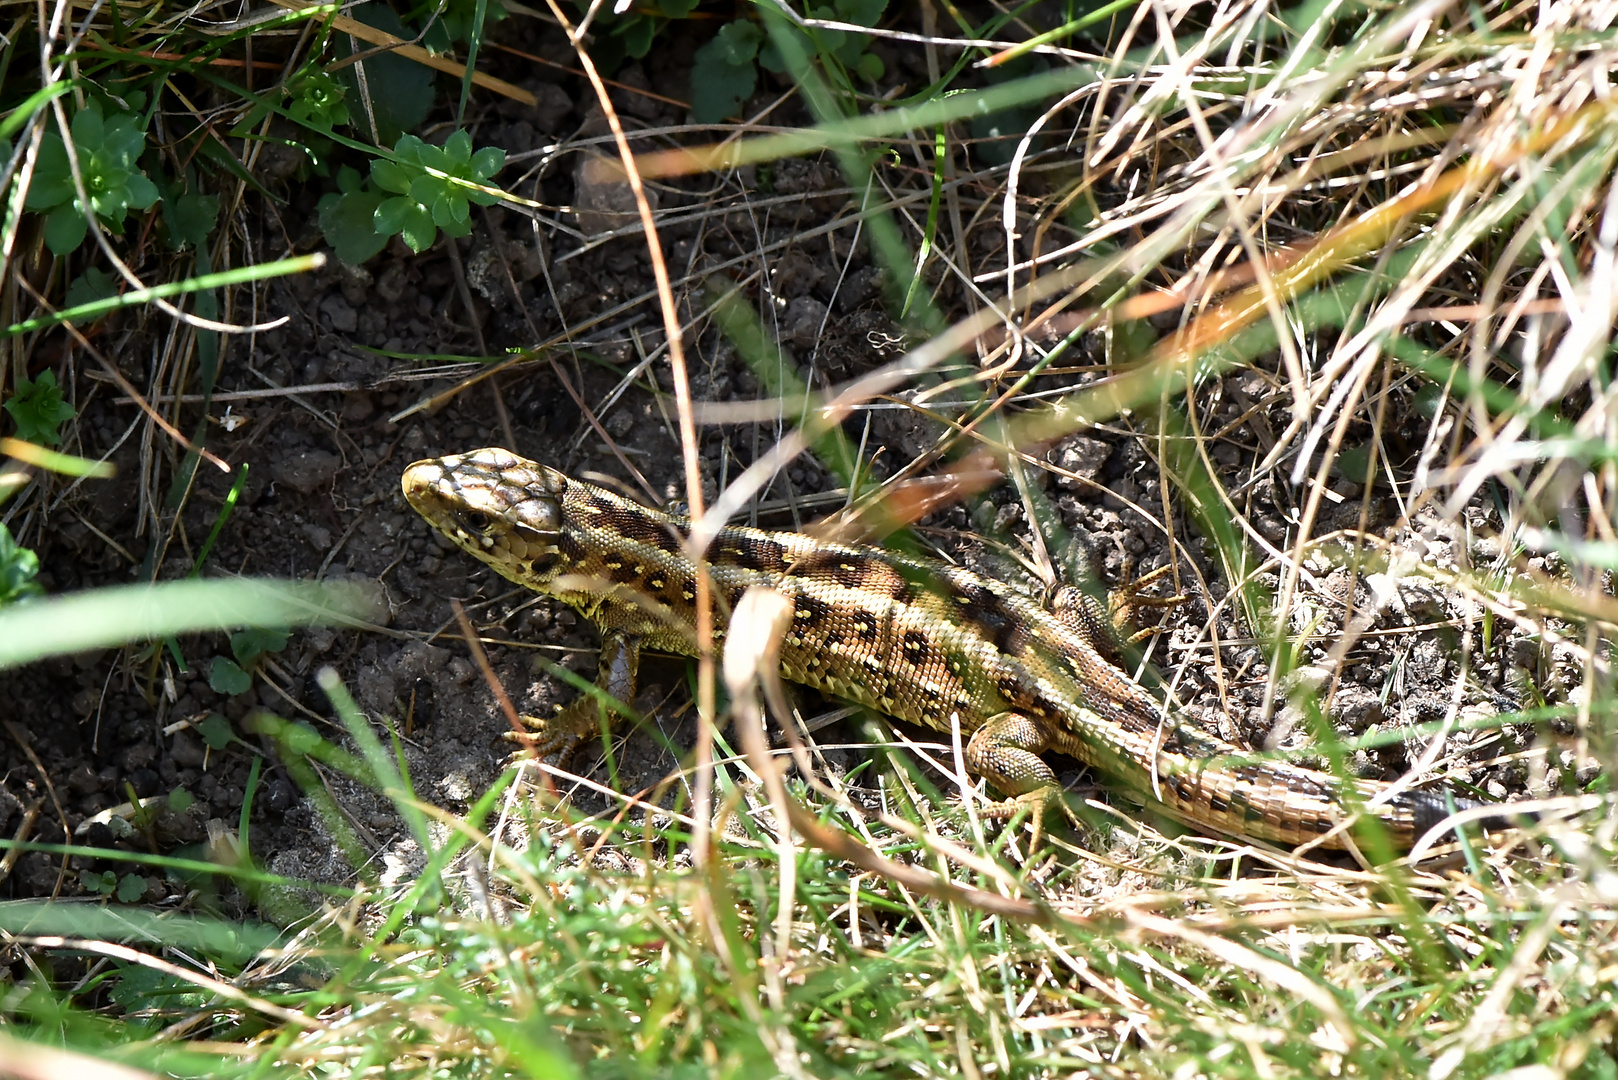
[473, 520]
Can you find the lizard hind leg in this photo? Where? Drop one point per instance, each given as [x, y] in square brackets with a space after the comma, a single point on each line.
[1005, 752]
[1113, 624]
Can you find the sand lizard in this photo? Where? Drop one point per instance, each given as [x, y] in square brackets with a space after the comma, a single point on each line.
[917, 638]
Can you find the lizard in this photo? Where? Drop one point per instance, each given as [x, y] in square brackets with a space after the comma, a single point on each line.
[917, 638]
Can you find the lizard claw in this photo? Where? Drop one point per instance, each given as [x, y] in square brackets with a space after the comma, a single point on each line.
[1035, 803]
[561, 735]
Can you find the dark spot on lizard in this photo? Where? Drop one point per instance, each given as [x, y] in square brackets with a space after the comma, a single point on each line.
[851, 570]
[620, 569]
[1010, 688]
[645, 530]
[750, 553]
[865, 625]
[808, 612]
[570, 547]
[916, 647]
[985, 611]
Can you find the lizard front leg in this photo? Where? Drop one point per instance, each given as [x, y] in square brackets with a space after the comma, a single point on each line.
[582, 718]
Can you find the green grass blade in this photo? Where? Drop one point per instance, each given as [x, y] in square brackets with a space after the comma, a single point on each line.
[103, 618]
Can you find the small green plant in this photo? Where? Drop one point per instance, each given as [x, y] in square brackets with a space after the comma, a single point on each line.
[726, 70]
[107, 149]
[234, 676]
[630, 33]
[318, 99]
[94, 284]
[39, 410]
[432, 188]
[457, 21]
[348, 218]
[98, 881]
[18, 568]
[215, 731]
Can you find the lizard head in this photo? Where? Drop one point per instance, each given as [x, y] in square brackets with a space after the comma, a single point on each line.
[503, 509]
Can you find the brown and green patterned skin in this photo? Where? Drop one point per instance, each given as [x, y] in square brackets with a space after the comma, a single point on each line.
[916, 638]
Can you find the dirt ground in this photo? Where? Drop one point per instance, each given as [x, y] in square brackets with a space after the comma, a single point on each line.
[326, 414]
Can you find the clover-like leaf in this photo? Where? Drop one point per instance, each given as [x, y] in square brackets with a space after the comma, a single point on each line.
[215, 731]
[348, 218]
[720, 84]
[247, 646]
[226, 677]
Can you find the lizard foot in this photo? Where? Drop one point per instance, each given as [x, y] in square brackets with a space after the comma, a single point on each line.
[562, 735]
[1035, 803]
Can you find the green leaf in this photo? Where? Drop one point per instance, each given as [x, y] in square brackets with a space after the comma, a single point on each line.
[391, 176]
[131, 888]
[53, 180]
[94, 284]
[400, 91]
[65, 229]
[18, 568]
[103, 881]
[317, 99]
[250, 644]
[107, 150]
[392, 213]
[870, 67]
[425, 188]
[486, 162]
[739, 41]
[431, 186]
[215, 731]
[349, 223]
[718, 87]
[409, 149]
[38, 409]
[861, 12]
[140, 193]
[87, 127]
[190, 218]
[349, 180]
[181, 800]
[637, 36]
[418, 229]
[227, 678]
